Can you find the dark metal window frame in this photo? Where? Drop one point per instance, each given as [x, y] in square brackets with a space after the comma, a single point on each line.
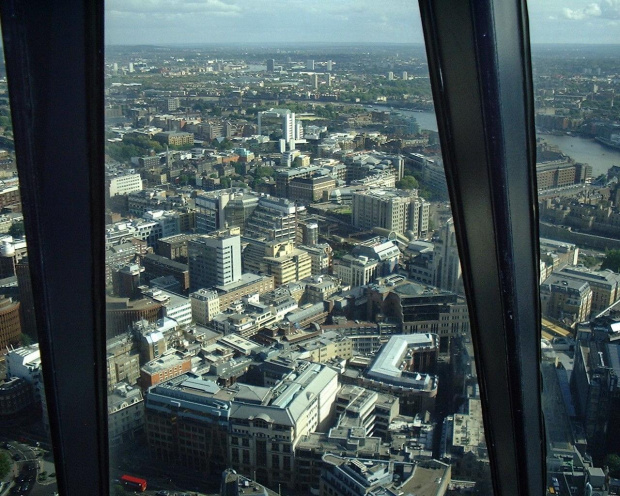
[479, 62]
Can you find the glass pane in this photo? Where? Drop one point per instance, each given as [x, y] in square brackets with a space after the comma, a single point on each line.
[578, 154]
[26, 458]
[284, 289]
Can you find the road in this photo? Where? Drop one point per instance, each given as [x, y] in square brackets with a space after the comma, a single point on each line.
[29, 462]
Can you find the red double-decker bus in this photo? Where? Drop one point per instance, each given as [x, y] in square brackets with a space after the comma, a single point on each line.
[133, 483]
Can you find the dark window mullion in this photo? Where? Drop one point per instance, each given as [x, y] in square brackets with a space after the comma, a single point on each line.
[54, 60]
[479, 64]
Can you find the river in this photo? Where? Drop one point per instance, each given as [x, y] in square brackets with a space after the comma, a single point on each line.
[583, 150]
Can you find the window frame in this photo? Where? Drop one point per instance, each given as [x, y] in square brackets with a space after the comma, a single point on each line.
[480, 67]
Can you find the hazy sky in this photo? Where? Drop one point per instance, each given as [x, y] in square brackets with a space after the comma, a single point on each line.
[224, 21]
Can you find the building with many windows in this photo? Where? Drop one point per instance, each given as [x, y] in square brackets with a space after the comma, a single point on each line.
[124, 184]
[397, 210]
[215, 260]
[205, 304]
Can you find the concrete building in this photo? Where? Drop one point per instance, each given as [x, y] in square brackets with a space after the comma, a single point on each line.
[175, 307]
[274, 219]
[175, 138]
[400, 211]
[124, 184]
[605, 285]
[156, 266]
[356, 271]
[286, 263]
[168, 220]
[215, 260]
[566, 299]
[252, 429]
[164, 368]
[122, 361]
[418, 308]
[311, 189]
[16, 397]
[280, 121]
[175, 247]
[125, 414]
[403, 367]
[248, 284]
[205, 304]
[25, 363]
[385, 252]
[359, 477]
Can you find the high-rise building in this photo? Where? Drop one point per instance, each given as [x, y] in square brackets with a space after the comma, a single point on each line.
[405, 76]
[280, 121]
[271, 64]
[390, 76]
[310, 65]
[330, 66]
[215, 260]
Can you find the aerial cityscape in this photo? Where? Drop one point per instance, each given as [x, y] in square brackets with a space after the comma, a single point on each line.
[284, 301]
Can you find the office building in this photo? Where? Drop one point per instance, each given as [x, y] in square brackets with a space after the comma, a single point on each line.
[166, 367]
[321, 255]
[10, 322]
[396, 210]
[125, 414]
[214, 260]
[360, 477]
[418, 308]
[446, 263]
[271, 65]
[274, 219]
[605, 285]
[156, 266]
[285, 262]
[356, 271]
[311, 189]
[174, 306]
[250, 428]
[566, 299]
[205, 305]
[124, 184]
[281, 122]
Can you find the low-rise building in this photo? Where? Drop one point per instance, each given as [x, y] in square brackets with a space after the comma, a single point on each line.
[165, 367]
[566, 299]
[359, 477]
[205, 305]
[125, 414]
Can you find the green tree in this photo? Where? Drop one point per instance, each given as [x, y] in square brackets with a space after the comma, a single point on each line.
[407, 182]
[612, 261]
[5, 465]
[613, 462]
[25, 339]
[17, 229]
